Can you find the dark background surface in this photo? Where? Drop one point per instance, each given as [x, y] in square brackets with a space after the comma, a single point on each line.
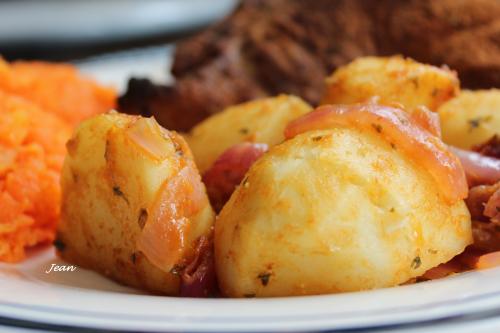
[69, 51]
[65, 30]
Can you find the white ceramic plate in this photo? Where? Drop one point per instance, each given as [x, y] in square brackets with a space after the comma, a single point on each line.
[84, 299]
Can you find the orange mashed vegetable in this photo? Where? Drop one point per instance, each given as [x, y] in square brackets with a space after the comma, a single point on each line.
[57, 88]
[39, 105]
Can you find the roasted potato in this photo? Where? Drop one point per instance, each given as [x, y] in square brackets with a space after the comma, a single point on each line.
[333, 211]
[259, 121]
[392, 79]
[113, 179]
[471, 118]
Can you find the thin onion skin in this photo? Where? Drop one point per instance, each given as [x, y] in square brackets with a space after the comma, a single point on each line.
[489, 260]
[165, 238]
[229, 170]
[198, 278]
[427, 119]
[479, 169]
[492, 208]
[401, 131]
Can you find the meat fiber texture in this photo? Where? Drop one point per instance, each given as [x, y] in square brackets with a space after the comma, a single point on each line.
[289, 46]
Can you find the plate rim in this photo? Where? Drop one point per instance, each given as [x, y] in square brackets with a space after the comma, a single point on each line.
[408, 314]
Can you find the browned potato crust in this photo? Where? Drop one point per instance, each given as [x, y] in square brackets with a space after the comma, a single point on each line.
[392, 79]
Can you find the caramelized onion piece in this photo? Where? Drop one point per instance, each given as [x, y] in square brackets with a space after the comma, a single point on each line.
[148, 135]
[198, 278]
[465, 261]
[489, 148]
[492, 208]
[441, 271]
[486, 236]
[478, 197]
[488, 260]
[229, 169]
[427, 119]
[479, 169]
[164, 237]
[399, 129]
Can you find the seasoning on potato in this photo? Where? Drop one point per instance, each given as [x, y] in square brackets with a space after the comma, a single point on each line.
[359, 197]
[259, 121]
[133, 207]
[471, 118]
[393, 80]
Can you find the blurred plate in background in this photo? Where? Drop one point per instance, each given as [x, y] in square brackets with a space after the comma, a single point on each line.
[116, 68]
[56, 21]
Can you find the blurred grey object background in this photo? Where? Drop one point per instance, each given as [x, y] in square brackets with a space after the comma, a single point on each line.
[72, 29]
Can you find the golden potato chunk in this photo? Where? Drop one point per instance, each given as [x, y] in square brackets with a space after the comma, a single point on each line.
[114, 179]
[259, 121]
[334, 211]
[392, 79]
[471, 118]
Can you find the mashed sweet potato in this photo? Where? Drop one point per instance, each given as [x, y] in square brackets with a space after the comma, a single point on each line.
[57, 88]
[39, 105]
[32, 148]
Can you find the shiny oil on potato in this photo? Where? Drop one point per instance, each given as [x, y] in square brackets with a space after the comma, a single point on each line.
[259, 121]
[112, 176]
[471, 118]
[392, 79]
[334, 211]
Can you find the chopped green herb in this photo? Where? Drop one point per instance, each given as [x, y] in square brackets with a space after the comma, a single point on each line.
[317, 138]
[106, 150]
[244, 131]
[414, 80]
[143, 217]
[476, 122]
[377, 127]
[416, 262]
[177, 147]
[264, 278]
[74, 176]
[117, 191]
